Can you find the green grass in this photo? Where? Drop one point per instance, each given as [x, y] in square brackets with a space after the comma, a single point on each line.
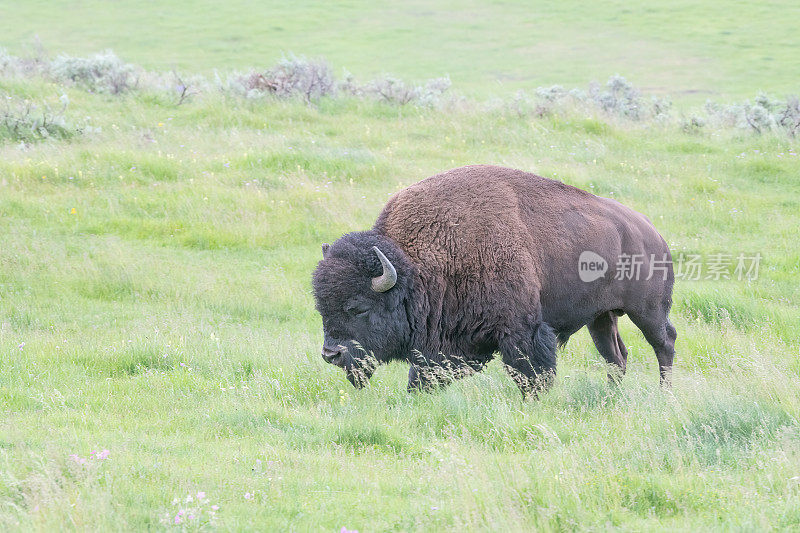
[155, 302]
[710, 49]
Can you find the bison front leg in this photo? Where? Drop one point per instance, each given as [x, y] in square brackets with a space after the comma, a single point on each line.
[420, 379]
[530, 359]
[430, 376]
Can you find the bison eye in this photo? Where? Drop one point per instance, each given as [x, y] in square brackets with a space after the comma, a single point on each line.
[356, 310]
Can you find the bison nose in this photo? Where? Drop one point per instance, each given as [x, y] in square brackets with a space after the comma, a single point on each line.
[332, 355]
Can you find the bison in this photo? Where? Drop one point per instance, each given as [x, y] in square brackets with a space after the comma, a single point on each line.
[485, 259]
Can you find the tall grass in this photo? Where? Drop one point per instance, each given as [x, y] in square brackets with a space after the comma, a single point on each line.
[155, 303]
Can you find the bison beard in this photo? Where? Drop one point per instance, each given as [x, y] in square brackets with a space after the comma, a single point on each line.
[484, 259]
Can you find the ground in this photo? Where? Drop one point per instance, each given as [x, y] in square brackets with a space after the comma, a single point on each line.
[157, 332]
[700, 50]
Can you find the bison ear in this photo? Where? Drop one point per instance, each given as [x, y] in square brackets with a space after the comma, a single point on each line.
[325, 248]
[388, 278]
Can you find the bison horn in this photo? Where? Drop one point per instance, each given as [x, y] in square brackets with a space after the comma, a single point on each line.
[325, 248]
[387, 280]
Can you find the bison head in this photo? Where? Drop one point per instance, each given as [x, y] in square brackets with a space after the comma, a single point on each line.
[362, 288]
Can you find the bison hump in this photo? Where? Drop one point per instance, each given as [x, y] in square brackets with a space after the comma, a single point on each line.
[464, 222]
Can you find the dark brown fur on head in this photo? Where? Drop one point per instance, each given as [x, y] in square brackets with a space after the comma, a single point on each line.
[362, 327]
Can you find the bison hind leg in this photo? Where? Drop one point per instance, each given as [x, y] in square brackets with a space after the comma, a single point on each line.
[530, 358]
[661, 335]
[608, 342]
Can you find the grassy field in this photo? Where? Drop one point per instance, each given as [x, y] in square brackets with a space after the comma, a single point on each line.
[158, 337]
[695, 49]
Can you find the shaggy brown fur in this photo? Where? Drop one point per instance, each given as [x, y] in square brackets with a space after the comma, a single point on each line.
[487, 261]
